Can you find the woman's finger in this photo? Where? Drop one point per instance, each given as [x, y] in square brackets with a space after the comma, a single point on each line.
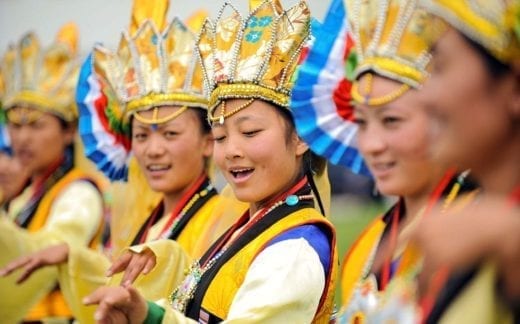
[134, 269]
[29, 268]
[16, 264]
[120, 264]
[150, 264]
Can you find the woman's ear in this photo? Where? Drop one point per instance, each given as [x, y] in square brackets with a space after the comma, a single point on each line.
[69, 133]
[207, 143]
[301, 146]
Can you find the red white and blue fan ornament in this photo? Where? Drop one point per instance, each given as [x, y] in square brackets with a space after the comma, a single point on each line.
[5, 143]
[321, 101]
[104, 144]
[150, 69]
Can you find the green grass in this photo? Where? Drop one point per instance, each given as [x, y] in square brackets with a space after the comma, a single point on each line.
[350, 216]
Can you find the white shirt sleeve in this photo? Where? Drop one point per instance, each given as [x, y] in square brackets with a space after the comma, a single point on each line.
[74, 217]
[76, 213]
[284, 284]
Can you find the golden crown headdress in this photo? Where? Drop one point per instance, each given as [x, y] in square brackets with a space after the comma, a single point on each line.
[252, 57]
[42, 79]
[493, 24]
[392, 38]
[150, 69]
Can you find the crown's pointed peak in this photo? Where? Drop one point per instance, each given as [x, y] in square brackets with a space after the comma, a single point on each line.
[276, 5]
[147, 29]
[29, 40]
[177, 22]
[227, 11]
[207, 31]
[124, 44]
[208, 24]
[176, 26]
[69, 36]
[299, 6]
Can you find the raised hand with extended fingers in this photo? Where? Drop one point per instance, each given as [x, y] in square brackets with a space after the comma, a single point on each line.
[133, 264]
[49, 256]
[120, 304]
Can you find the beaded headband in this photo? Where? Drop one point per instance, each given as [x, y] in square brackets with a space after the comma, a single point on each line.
[155, 120]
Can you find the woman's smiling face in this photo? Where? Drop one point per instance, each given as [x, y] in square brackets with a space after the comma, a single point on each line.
[470, 108]
[259, 155]
[172, 154]
[394, 140]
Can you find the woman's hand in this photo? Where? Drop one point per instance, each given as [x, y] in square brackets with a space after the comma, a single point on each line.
[133, 264]
[52, 255]
[118, 305]
[486, 230]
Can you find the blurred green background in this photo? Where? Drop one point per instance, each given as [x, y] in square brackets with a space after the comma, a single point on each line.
[350, 215]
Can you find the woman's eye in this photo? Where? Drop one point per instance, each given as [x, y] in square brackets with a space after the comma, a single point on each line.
[140, 136]
[219, 139]
[37, 125]
[170, 134]
[390, 120]
[359, 121]
[15, 126]
[218, 134]
[251, 133]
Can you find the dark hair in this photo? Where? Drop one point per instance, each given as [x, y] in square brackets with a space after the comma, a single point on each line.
[494, 67]
[311, 161]
[205, 127]
[202, 115]
[68, 125]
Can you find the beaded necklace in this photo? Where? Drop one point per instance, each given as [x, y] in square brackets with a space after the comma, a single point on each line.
[168, 229]
[182, 295]
[182, 207]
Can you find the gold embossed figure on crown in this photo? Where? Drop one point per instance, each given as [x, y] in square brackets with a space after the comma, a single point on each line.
[252, 57]
[392, 38]
[150, 69]
[44, 79]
